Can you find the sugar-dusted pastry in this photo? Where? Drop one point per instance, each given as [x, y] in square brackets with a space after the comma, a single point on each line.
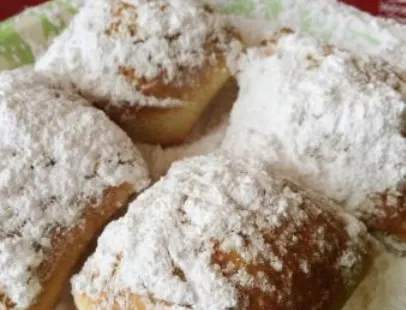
[219, 234]
[329, 119]
[152, 65]
[65, 170]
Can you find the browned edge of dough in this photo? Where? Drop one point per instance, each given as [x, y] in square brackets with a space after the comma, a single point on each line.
[68, 247]
[169, 126]
[338, 291]
[384, 214]
[84, 302]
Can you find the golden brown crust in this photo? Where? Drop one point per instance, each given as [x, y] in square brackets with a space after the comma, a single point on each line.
[321, 287]
[194, 86]
[172, 125]
[186, 78]
[68, 246]
[386, 212]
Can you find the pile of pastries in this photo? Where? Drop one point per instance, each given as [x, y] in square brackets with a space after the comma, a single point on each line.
[285, 215]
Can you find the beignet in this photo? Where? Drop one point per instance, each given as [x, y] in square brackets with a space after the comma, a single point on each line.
[65, 170]
[152, 66]
[219, 234]
[331, 121]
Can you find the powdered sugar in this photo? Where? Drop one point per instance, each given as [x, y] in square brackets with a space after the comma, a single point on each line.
[171, 244]
[159, 159]
[323, 116]
[331, 21]
[347, 27]
[134, 45]
[57, 154]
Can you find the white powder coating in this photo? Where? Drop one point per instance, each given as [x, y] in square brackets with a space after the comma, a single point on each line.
[347, 27]
[56, 154]
[333, 22]
[166, 245]
[113, 48]
[323, 116]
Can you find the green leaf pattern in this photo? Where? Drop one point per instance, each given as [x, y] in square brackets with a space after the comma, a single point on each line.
[25, 36]
[359, 35]
[274, 8]
[244, 7]
[50, 29]
[306, 21]
[14, 50]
